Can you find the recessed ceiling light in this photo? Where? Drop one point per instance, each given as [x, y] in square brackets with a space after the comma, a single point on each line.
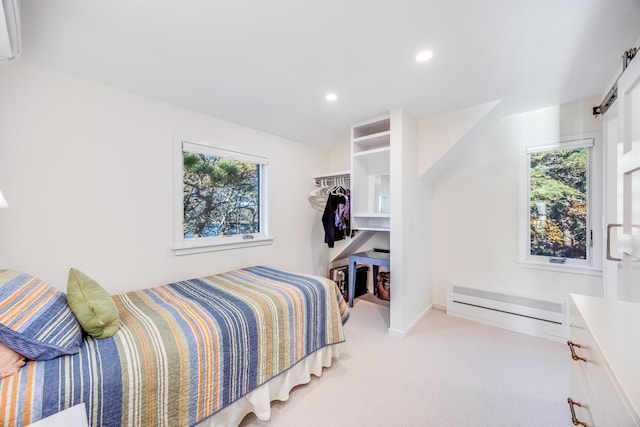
[423, 56]
[331, 97]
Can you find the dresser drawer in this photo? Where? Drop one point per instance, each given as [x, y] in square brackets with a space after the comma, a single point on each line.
[605, 402]
[578, 400]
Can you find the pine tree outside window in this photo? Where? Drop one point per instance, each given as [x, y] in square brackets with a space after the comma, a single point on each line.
[559, 204]
[220, 198]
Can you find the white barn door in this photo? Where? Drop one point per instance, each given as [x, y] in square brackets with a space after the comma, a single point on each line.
[628, 240]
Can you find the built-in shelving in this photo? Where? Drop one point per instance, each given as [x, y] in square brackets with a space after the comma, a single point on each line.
[370, 166]
[382, 152]
[371, 127]
[371, 142]
[375, 207]
[375, 222]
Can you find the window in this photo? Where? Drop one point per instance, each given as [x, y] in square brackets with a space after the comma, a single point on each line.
[220, 198]
[558, 215]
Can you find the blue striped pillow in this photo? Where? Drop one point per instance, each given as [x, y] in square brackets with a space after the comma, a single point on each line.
[35, 320]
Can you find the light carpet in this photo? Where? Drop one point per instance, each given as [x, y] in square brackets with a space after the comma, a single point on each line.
[445, 372]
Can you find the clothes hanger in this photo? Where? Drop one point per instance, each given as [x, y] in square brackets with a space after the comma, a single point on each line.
[318, 196]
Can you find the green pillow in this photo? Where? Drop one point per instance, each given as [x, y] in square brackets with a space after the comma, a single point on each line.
[92, 305]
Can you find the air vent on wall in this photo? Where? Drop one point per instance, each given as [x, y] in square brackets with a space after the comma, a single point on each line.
[10, 45]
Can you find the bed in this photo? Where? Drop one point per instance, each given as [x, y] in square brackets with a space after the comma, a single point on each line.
[204, 351]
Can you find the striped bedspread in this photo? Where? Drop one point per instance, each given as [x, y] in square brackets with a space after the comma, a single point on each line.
[184, 350]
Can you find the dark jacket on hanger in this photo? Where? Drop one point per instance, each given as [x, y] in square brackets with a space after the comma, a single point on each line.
[335, 218]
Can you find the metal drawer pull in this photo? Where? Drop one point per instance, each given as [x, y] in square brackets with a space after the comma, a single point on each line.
[574, 419]
[574, 356]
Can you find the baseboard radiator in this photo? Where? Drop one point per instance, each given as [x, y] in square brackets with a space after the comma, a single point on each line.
[546, 319]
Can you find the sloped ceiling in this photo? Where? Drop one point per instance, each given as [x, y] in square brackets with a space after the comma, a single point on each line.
[269, 64]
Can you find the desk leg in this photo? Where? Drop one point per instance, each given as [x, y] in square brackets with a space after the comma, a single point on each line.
[375, 279]
[352, 281]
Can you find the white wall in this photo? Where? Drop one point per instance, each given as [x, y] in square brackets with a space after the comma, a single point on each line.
[340, 157]
[87, 171]
[475, 208]
[411, 287]
[450, 132]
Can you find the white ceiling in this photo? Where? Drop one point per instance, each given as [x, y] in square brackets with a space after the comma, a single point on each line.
[267, 64]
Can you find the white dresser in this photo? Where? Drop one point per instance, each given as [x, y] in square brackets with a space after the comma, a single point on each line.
[605, 372]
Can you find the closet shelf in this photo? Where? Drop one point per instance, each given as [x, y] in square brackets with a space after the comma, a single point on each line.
[370, 142]
[332, 176]
[340, 174]
[371, 221]
[371, 127]
[371, 215]
[376, 153]
[373, 229]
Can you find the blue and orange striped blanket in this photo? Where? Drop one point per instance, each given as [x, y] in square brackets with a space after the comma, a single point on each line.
[184, 350]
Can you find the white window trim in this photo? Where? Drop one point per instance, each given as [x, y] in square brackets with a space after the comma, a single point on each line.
[184, 246]
[593, 265]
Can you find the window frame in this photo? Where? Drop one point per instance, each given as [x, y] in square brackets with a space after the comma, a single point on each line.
[184, 246]
[592, 264]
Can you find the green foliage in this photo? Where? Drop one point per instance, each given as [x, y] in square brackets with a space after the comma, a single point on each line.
[559, 188]
[221, 196]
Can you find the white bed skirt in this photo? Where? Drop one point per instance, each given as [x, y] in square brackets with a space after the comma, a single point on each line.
[278, 388]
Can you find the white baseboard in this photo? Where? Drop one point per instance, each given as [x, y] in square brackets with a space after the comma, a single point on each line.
[404, 332]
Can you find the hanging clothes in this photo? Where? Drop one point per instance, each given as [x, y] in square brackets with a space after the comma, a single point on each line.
[336, 216]
[318, 197]
[342, 214]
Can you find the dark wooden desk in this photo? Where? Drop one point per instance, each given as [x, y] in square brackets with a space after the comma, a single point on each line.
[376, 259]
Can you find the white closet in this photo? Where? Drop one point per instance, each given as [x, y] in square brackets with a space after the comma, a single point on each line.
[388, 196]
